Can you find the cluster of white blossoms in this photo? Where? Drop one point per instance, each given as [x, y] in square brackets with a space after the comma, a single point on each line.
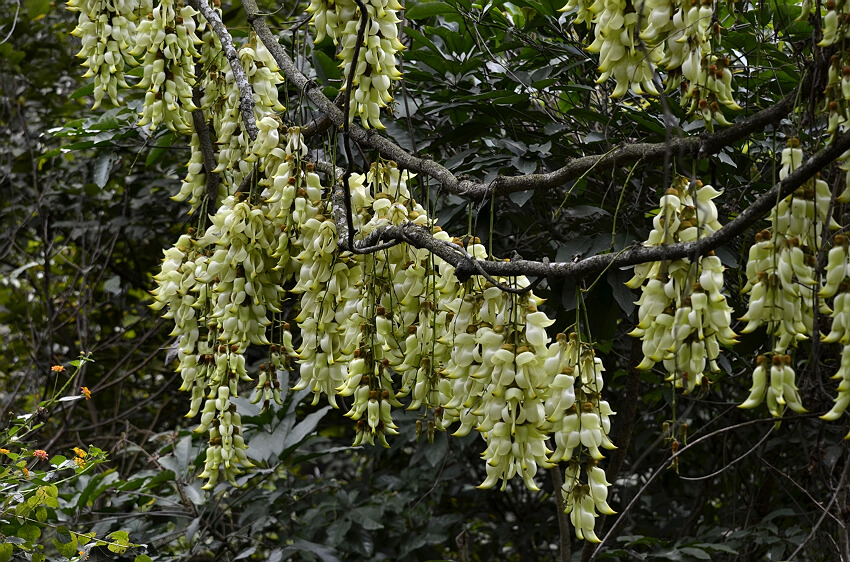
[620, 54]
[683, 317]
[167, 41]
[395, 327]
[107, 31]
[836, 285]
[835, 23]
[381, 328]
[782, 282]
[223, 288]
[633, 39]
[836, 103]
[584, 500]
[375, 70]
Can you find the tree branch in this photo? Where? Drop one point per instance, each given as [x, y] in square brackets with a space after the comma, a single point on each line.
[695, 146]
[202, 129]
[246, 93]
[466, 266]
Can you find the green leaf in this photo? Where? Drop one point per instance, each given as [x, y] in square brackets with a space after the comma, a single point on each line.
[326, 68]
[10, 54]
[93, 488]
[303, 429]
[422, 38]
[120, 542]
[29, 533]
[161, 146]
[5, 552]
[37, 8]
[695, 553]
[102, 167]
[23, 510]
[143, 558]
[196, 496]
[428, 9]
[86, 90]
[622, 294]
[56, 460]
[41, 514]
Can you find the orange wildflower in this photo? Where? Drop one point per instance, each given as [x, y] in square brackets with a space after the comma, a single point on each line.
[4, 451]
[41, 454]
[79, 452]
[57, 368]
[86, 392]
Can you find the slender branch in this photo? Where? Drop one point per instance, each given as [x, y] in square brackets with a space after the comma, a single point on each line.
[202, 129]
[346, 126]
[564, 540]
[246, 93]
[826, 510]
[662, 468]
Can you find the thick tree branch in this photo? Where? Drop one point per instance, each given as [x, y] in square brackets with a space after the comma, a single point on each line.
[465, 266]
[627, 153]
[694, 146]
[246, 93]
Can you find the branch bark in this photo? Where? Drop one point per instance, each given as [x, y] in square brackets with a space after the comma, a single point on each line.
[466, 266]
[246, 93]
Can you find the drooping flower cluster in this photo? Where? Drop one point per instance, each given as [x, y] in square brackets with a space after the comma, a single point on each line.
[376, 69]
[835, 25]
[836, 285]
[620, 54]
[167, 42]
[634, 39]
[781, 280]
[584, 500]
[235, 148]
[683, 317]
[380, 328]
[107, 30]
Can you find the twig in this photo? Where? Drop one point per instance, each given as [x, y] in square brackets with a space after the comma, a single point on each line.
[346, 127]
[466, 266]
[838, 489]
[662, 468]
[563, 520]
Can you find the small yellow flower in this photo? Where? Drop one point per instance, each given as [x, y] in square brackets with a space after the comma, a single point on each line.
[57, 368]
[81, 462]
[79, 452]
[4, 451]
[86, 392]
[26, 472]
[41, 454]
